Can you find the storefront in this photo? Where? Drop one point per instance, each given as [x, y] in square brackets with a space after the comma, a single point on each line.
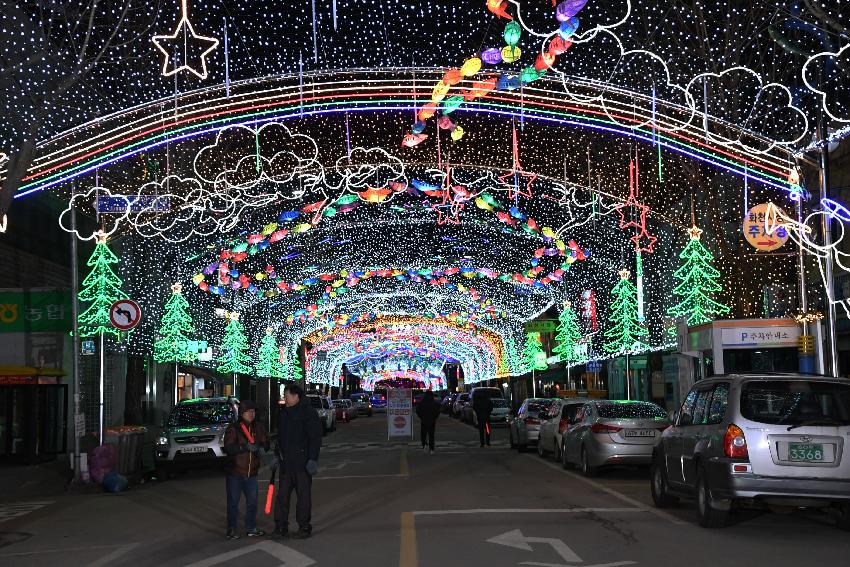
[33, 419]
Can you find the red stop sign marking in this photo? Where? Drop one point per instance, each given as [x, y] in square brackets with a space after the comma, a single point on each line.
[399, 421]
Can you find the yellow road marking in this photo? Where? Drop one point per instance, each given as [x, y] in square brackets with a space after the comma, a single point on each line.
[407, 556]
[404, 467]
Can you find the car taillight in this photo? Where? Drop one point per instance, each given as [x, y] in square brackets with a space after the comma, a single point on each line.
[532, 421]
[734, 443]
[563, 425]
[602, 428]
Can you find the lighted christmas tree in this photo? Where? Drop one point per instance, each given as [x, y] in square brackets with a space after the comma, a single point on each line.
[569, 336]
[102, 288]
[535, 357]
[175, 326]
[269, 364]
[625, 331]
[234, 357]
[697, 282]
[297, 374]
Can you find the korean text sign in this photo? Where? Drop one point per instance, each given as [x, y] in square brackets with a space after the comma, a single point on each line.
[35, 311]
[399, 413]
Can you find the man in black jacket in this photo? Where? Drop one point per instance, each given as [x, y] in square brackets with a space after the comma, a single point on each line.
[428, 411]
[483, 407]
[299, 438]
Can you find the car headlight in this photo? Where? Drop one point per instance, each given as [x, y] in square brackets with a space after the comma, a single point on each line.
[162, 441]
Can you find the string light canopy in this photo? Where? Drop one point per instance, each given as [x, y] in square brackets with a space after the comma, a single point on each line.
[273, 183]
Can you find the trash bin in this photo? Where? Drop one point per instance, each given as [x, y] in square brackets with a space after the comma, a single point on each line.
[128, 444]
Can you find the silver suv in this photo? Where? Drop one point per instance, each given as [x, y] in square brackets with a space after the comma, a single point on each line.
[193, 434]
[773, 441]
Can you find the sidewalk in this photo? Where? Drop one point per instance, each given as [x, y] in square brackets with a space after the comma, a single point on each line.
[28, 482]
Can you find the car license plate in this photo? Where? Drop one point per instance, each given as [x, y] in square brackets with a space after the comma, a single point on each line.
[194, 449]
[640, 433]
[805, 452]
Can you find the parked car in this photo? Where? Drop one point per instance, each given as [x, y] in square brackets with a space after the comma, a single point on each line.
[555, 423]
[613, 432]
[379, 403]
[345, 411]
[327, 413]
[525, 425]
[362, 404]
[499, 415]
[461, 400]
[193, 434]
[446, 404]
[488, 392]
[765, 441]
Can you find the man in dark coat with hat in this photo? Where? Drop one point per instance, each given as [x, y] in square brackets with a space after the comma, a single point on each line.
[245, 441]
[299, 438]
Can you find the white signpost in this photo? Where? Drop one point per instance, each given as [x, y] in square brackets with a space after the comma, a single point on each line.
[399, 413]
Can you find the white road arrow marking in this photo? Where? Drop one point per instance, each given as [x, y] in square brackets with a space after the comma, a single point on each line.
[516, 539]
[288, 557]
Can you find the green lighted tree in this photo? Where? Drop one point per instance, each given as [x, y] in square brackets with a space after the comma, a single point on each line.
[625, 331]
[534, 355]
[268, 365]
[234, 357]
[175, 326]
[569, 336]
[296, 373]
[101, 288]
[697, 282]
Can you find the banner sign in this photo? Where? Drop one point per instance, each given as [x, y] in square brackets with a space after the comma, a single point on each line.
[541, 326]
[399, 413]
[30, 311]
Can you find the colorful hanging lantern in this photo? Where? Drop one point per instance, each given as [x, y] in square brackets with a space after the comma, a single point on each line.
[457, 133]
[544, 61]
[492, 56]
[452, 103]
[568, 28]
[511, 54]
[427, 111]
[453, 77]
[513, 31]
[559, 45]
[439, 92]
[569, 8]
[470, 67]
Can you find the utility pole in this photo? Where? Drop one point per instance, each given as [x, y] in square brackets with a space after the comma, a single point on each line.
[75, 363]
[831, 340]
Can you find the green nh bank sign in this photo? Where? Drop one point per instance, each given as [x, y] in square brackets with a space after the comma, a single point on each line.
[35, 311]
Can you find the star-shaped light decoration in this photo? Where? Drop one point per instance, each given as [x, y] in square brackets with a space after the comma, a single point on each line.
[694, 233]
[511, 178]
[624, 274]
[640, 224]
[101, 237]
[177, 288]
[180, 39]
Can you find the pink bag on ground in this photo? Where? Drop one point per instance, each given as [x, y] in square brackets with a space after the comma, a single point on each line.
[102, 461]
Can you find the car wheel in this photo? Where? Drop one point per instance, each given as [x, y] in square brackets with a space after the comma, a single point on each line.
[564, 462]
[660, 492]
[586, 469]
[511, 437]
[556, 454]
[540, 451]
[711, 513]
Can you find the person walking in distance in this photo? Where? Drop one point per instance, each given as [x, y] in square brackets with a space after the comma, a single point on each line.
[245, 442]
[428, 411]
[299, 438]
[483, 407]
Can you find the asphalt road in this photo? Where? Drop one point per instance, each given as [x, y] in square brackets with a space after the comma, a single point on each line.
[378, 504]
